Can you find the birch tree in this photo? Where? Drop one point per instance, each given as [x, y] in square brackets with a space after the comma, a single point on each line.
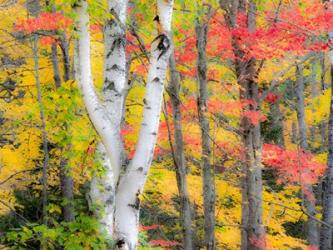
[122, 186]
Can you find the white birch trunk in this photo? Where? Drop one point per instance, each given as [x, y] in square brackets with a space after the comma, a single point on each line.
[131, 184]
[95, 108]
[102, 189]
[107, 117]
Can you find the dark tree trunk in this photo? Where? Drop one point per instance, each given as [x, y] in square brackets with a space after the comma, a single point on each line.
[55, 64]
[252, 226]
[66, 180]
[327, 216]
[67, 191]
[252, 231]
[293, 133]
[179, 157]
[64, 45]
[207, 170]
[311, 227]
[277, 123]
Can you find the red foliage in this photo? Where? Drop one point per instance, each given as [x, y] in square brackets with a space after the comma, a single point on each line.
[272, 98]
[294, 166]
[255, 117]
[47, 40]
[151, 227]
[297, 29]
[90, 150]
[259, 242]
[96, 27]
[164, 243]
[46, 21]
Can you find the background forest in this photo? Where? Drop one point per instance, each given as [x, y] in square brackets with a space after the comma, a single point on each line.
[166, 124]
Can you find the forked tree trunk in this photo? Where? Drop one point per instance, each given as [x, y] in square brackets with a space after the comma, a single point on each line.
[207, 170]
[114, 92]
[179, 155]
[311, 227]
[132, 182]
[126, 187]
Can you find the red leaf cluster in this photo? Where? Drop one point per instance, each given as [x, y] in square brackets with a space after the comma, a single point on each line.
[297, 29]
[46, 21]
[294, 166]
[151, 227]
[164, 243]
[253, 116]
[272, 98]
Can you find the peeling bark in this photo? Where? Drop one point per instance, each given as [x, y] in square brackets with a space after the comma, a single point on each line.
[132, 182]
[128, 185]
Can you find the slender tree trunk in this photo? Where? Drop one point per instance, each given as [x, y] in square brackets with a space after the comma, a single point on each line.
[277, 123]
[326, 232]
[253, 224]
[207, 170]
[323, 124]
[64, 46]
[55, 64]
[314, 95]
[327, 214]
[322, 71]
[67, 186]
[311, 227]
[179, 155]
[66, 180]
[252, 231]
[33, 7]
[300, 107]
[44, 133]
[293, 132]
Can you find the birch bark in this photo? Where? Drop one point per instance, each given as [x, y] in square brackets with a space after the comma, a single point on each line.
[132, 182]
[106, 116]
[103, 187]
